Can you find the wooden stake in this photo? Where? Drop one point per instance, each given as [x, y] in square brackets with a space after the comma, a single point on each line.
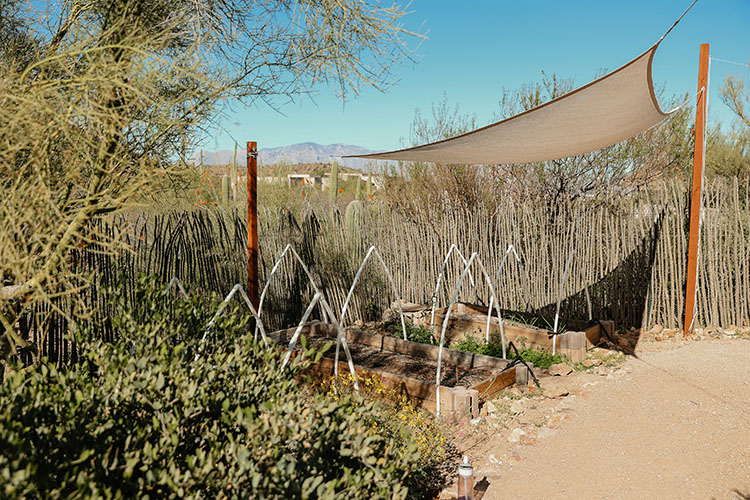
[697, 190]
[252, 223]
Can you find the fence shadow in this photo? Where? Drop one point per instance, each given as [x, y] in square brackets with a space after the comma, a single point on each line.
[621, 295]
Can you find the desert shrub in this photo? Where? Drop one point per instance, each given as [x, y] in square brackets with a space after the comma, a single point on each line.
[142, 417]
[399, 419]
[541, 358]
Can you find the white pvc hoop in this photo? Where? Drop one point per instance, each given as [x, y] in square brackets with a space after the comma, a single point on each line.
[440, 277]
[454, 298]
[370, 251]
[236, 288]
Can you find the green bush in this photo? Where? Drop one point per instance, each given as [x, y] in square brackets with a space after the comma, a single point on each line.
[142, 418]
[540, 358]
[415, 333]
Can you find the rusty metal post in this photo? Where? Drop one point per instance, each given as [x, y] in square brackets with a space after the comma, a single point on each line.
[252, 223]
[697, 190]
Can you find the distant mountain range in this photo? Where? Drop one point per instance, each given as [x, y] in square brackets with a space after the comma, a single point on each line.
[305, 152]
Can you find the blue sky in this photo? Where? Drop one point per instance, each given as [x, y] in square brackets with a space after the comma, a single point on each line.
[476, 48]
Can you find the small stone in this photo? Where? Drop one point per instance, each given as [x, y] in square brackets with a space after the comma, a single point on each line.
[730, 331]
[657, 329]
[556, 420]
[491, 408]
[545, 432]
[678, 335]
[558, 392]
[389, 315]
[560, 369]
[516, 407]
[515, 435]
[585, 394]
[588, 363]
[527, 440]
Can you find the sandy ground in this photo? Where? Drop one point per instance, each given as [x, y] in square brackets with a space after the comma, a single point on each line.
[671, 422]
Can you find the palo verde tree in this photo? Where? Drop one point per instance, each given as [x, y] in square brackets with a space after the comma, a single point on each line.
[618, 169]
[735, 93]
[728, 153]
[99, 98]
[422, 188]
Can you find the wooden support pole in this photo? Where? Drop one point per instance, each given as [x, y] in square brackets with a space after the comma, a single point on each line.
[252, 223]
[697, 190]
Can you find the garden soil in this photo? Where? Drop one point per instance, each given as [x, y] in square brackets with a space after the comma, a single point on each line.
[421, 369]
[671, 422]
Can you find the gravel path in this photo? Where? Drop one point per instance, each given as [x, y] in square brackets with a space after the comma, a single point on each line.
[672, 423]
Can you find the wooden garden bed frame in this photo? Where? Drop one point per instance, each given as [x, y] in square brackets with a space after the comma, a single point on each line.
[454, 401]
[467, 318]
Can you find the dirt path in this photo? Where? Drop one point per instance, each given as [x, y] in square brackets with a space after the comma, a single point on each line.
[672, 423]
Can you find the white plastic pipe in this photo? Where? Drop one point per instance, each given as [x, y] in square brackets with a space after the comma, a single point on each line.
[454, 298]
[440, 277]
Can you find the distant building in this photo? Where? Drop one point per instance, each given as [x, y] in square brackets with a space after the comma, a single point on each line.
[273, 180]
[377, 180]
[297, 179]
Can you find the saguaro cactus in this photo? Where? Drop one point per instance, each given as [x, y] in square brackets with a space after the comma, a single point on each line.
[225, 189]
[353, 217]
[334, 183]
[233, 174]
[358, 192]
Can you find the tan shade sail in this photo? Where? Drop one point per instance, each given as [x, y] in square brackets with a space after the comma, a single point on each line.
[608, 110]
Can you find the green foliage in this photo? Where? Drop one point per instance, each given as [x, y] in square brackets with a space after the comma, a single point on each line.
[353, 218]
[142, 418]
[525, 320]
[736, 95]
[415, 333]
[225, 192]
[539, 358]
[728, 153]
[334, 183]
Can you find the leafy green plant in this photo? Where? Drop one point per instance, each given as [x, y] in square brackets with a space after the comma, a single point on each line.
[415, 333]
[142, 417]
[540, 358]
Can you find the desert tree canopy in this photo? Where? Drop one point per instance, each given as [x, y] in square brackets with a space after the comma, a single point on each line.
[100, 98]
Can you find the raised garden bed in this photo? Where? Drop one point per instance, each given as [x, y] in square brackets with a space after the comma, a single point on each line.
[471, 319]
[409, 368]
